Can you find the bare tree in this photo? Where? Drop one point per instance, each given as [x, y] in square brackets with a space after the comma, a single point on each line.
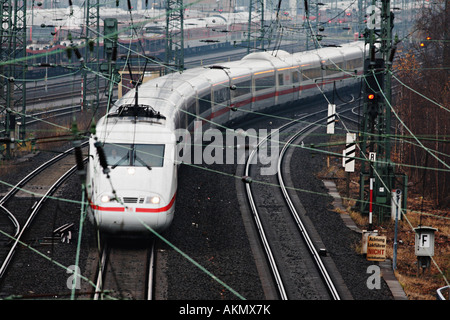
[425, 69]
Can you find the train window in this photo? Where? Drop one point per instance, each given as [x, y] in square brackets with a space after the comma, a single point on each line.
[117, 154]
[265, 82]
[182, 119]
[191, 112]
[280, 80]
[139, 155]
[354, 64]
[204, 103]
[334, 68]
[295, 77]
[312, 73]
[156, 30]
[149, 155]
[242, 87]
[221, 95]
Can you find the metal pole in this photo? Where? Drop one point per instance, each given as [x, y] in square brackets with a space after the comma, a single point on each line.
[371, 204]
[394, 263]
[174, 44]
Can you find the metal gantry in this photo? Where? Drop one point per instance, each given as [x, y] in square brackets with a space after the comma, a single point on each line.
[256, 30]
[260, 27]
[312, 27]
[174, 35]
[92, 54]
[12, 70]
[375, 128]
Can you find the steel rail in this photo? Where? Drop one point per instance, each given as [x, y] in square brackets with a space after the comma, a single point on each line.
[325, 275]
[34, 173]
[151, 272]
[440, 293]
[262, 233]
[13, 220]
[20, 231]
[36, 209]
[266, 245]
[22, 182]
[102, 273]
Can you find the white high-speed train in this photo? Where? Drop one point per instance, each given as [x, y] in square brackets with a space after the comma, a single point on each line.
[139, 138]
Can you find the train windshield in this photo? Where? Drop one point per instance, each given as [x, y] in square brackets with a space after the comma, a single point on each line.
[155, 29]
[138, 155]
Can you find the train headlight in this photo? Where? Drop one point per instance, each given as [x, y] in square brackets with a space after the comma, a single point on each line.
[105, 198]
[153, 200]
[131, 171]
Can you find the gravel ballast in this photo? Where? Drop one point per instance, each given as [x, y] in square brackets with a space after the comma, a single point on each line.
[208, 230]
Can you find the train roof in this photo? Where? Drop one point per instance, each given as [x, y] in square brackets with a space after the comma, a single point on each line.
[164, 94]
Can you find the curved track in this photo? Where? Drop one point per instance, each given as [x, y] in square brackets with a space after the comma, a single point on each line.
[42, 182]
[291, 252]
[314, 252]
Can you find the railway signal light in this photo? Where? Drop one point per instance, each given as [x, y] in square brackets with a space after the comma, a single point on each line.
[373, 95]
[423, 44]
[111, 36]
[374, 80]
[372, 101]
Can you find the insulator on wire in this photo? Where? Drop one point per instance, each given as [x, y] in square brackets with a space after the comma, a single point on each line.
[372, 54]
[102, 157]
[79, 159]
[247, 179]
[91, 45]
[78, 54]
[114, 54]
[392, 54]
[129, 5]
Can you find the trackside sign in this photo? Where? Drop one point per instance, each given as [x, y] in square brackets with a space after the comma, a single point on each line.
[376, 248]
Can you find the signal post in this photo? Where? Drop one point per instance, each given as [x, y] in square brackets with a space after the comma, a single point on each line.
[375, 127]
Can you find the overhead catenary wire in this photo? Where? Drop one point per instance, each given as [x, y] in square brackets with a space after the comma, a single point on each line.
[229, 175]
[406, 127]
[239, 177]
[319, 89]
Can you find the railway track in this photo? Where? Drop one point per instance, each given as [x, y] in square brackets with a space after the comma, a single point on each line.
[126, 270]
[294, 255]
[57, 92]
[38, 186]
[64, 87]
[315, 253]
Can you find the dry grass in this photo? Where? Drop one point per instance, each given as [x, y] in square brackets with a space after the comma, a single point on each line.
[417, 284]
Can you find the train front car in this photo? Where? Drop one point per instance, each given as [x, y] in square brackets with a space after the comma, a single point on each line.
[135, 193]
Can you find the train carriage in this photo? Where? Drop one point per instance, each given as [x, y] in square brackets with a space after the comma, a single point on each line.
[140, 192]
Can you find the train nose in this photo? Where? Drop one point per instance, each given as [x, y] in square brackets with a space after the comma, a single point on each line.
[143, 214]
